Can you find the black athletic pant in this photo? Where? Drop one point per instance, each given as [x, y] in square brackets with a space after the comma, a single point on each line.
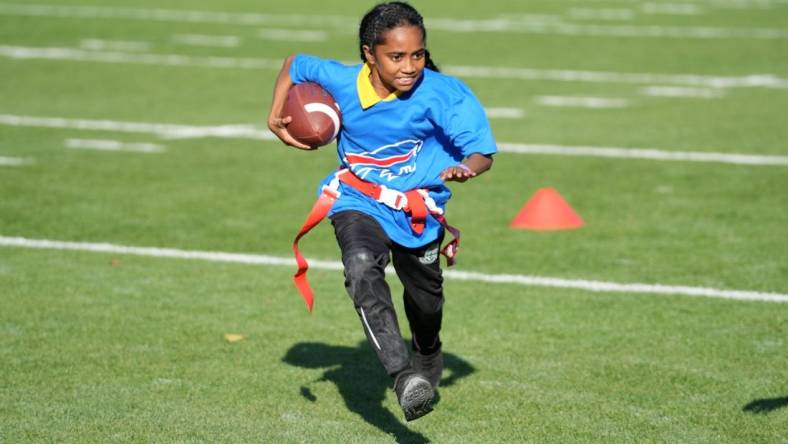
[365, 254]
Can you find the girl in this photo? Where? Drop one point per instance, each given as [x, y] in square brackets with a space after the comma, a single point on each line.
[406, 131]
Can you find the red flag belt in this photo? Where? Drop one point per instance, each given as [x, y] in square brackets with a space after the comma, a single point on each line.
[417, 203]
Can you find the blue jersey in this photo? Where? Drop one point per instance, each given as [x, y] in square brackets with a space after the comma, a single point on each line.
[403, 142]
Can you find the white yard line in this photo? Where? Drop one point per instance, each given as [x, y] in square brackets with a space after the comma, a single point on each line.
[671, 8]
[504, 113]
[656, 31]
[516, 17]
[220, 41]
[582, 102]
[643, 153]
[292, 35]
[559, 75]
[70, 54]
[745, 4]
[501, 24]
[615, 287]
[722, 4]
[682, 91]
[569, 75]
[14, 161]
[113, 145]
[600, 14]
[506, 24]
[178, 16]
[163, 130]
[114, 45]
[514, 279]
[627, 14]
[174, 131]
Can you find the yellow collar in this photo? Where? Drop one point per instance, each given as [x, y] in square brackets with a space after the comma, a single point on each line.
[366, 92]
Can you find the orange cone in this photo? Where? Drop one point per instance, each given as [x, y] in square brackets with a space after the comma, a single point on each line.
[547, 210]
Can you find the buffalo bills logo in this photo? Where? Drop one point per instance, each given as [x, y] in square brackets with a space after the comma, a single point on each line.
[389, 161]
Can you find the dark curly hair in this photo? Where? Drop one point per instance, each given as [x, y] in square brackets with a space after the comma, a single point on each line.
[387, 16]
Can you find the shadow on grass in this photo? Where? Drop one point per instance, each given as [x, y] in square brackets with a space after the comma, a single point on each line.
[363, 383]
[766, 405]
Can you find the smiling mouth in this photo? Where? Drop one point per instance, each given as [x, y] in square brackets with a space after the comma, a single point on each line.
[406, 80]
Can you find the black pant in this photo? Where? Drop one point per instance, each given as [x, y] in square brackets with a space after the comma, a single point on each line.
[365, 254]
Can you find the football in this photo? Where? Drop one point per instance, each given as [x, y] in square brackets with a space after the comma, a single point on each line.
[316, 115]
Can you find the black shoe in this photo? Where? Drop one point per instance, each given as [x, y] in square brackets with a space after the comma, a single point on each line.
[414, 393]
[431, 366]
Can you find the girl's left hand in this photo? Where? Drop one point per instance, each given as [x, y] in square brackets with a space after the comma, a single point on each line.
[278, 126]
[457, 173]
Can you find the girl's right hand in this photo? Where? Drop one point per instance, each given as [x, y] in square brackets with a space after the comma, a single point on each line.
[278, 126]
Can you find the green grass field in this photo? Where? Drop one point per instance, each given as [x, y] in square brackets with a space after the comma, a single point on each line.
[111, 346]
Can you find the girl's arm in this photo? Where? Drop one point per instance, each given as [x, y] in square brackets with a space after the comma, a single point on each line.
[472, 166]
[276, 122]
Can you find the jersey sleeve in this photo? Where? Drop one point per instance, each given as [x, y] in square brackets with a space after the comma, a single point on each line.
[307, 68]
[467, 126]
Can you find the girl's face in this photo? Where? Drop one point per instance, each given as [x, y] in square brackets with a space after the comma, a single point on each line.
[398, 62]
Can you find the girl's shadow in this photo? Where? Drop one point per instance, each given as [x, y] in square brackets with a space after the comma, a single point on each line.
[363, 383]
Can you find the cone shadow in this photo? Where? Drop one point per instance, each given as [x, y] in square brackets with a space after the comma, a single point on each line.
[766, 405]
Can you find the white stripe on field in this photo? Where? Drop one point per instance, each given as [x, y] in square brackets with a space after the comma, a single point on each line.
[113, 145]
[730, 4]
[19, 52]
[540, 281]
[500, 24]
[114, 45]
[14, 161]
[166, 131]
[644, 31]
[600, 14]
[560, 75]
[504, 113]
[643, 153]
[582, 102]
[588, 30]
[221, 41]
[626, 14]
[722, 4]
[682, 91]
[671, 8]
[520, 18]
[614, 287]
[567, 75]
[179, 16]
[173, 131]
[746, 4]
[293, 35]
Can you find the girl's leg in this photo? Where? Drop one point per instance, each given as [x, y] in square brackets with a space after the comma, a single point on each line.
[365, 254]
[420, 273]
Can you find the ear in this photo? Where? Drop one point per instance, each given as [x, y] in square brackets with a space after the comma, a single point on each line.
[368, 54]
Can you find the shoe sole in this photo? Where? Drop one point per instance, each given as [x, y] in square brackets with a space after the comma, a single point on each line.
[417, 399]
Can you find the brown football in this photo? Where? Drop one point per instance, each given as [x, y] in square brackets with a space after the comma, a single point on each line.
[316, 115]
